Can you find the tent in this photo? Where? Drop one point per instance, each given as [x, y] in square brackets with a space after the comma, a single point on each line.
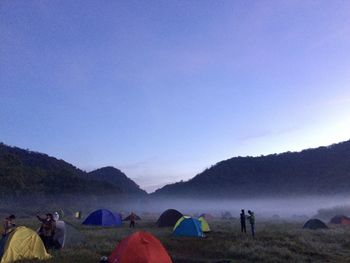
[103, 217]
[169, 218]
[140, 247]
[119, 217]
[23, 244]
[187, 226]
[128, 218]
[66, 235]
[73, 236]
[340, 220]
[315, 224]
[60, 233]
[204, 225]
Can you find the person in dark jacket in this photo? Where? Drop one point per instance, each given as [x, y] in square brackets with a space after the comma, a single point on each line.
[9, 225]
[243, 224]
[47, 230]
[251, 219]
[132, 220]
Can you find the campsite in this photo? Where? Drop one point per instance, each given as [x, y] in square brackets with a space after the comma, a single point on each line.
[174, 131]
[276, 241]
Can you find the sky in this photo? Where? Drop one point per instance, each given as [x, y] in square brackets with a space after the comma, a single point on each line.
[164, 89]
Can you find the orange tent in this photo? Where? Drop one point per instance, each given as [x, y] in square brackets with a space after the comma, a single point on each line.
[140, 247]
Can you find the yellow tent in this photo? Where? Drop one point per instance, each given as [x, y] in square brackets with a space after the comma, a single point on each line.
[204, 224]
[24, 243]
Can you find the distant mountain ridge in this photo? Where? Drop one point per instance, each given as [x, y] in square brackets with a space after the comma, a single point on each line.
[116, 177]
[24, 172]
[323, 170]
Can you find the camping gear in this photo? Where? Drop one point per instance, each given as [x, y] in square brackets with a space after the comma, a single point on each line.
[340, 220]
[169, 218]
[188, 226]
[204, 225]
[103, 217]
[140, 247]
[23, 244]
[315, 224]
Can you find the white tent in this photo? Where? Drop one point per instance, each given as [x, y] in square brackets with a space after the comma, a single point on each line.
[60, 233]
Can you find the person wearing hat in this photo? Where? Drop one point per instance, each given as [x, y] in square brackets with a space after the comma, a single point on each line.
[9, 224]
[47, 230]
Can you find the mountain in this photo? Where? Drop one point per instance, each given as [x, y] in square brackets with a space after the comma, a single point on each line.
[116, 177]
[24, 172]
[323, 170]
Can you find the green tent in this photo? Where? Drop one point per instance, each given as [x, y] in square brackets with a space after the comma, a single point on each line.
[204, 224]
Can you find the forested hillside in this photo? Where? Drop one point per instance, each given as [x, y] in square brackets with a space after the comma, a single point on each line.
[24, 172]
[118, 178]
[323, 170]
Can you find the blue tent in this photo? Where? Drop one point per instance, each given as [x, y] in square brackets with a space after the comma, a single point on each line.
[119, 217]
[103, 217]
[188, 227]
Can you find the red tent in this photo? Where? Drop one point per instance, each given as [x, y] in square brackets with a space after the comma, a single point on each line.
[340, 220]
[140, 247]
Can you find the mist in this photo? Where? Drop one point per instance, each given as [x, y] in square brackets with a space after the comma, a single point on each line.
[287, 208]
[292, 208]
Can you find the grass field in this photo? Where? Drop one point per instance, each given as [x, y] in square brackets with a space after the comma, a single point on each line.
[275, 242]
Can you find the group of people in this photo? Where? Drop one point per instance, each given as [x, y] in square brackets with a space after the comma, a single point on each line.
[46, 231]
[251, 219]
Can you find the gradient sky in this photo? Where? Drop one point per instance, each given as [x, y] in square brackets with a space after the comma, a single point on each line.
[165, 89]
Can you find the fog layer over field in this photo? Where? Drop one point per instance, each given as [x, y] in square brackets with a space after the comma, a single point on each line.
[265, 207]
[296, 208]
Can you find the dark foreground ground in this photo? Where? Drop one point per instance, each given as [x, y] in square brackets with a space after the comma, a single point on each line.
[275, 242]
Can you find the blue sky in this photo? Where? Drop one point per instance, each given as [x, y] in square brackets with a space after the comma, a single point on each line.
[165, 89]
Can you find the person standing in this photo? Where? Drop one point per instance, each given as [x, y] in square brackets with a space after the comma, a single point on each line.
[251, 219]
[9, 225]
[132, 220]
[47, 230]
[243, 224]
